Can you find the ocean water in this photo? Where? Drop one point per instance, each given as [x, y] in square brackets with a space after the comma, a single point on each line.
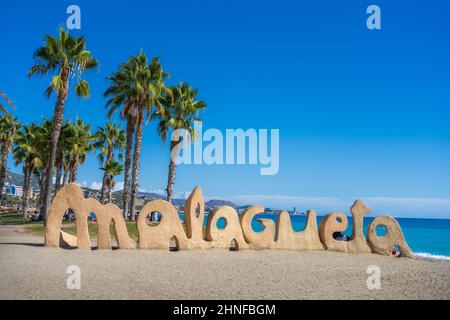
[426, 237]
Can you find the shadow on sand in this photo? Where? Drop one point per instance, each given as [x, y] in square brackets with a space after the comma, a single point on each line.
[40, 245]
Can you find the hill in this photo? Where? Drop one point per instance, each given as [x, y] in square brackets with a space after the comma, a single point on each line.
[17, 179]
[214, 203]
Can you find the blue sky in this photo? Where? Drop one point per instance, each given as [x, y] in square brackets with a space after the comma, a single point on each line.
[361, 113]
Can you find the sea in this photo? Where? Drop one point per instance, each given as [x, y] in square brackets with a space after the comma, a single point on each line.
[427, 238]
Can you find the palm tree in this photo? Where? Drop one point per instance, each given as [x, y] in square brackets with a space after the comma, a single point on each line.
[117, 91]
[66, 166]
[112, 169]
[8, 127]
[65, 55]
[131, 125]
[107, 140]
[80, 145]
[120, 96]
[27, 152]
[8, 101]
[43, 140]
[137, 86]
[64, 145]
[177, 110]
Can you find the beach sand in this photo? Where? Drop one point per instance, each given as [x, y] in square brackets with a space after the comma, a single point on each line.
[30, 271]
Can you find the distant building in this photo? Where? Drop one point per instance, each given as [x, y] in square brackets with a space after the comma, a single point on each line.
[12, 190]
[89, 194]
[15, 191]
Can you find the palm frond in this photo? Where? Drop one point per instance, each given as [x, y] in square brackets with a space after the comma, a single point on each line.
[82, 89]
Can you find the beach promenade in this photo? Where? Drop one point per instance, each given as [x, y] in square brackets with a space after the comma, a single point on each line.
[30, 271]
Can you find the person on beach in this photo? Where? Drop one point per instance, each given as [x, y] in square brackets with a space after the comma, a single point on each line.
[395, 252]
[338, 236]
[92, 217]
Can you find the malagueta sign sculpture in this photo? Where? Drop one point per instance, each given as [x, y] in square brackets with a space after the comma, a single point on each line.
[279, 235]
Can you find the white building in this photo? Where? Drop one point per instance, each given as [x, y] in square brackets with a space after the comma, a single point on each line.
[16, 191]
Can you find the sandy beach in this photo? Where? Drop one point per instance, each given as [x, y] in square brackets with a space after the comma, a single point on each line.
[30, 271]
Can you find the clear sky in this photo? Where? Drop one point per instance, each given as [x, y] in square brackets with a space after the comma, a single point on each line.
[362, 113]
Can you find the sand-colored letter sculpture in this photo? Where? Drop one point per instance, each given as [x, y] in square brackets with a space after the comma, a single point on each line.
[338, 222]
[222, 238]
[235, 232]
[393, 237]
[71, 197]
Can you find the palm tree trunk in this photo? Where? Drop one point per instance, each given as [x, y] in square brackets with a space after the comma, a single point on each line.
[129, 147]
[59, 165]
[26, 190]
[136, 164]
[74, 171]
[103, 189]
[3, 163]
[43, 185]
[39, 199]
[109, 158]
[172, 171]
[66, 173]
[110, 187]
[58, 117]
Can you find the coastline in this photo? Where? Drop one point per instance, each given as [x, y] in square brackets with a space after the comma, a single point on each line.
[30, 271]
[430, 256]
[426, 237]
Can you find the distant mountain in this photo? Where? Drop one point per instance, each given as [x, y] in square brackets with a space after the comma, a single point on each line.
[214, 203]
[151, 195]
[16, 179]
[180, 202]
